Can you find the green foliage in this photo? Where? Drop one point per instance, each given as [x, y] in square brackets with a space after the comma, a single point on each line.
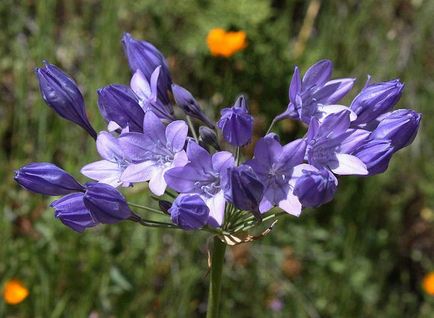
[364, 255]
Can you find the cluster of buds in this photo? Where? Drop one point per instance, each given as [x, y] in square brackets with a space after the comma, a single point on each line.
[199, 185]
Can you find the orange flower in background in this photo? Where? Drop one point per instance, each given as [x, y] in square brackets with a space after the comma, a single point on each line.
[14, 292]
[428, 283]
[226, 43]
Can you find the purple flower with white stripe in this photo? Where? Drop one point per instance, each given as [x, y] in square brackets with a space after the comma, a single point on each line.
[154, 151]
[203, 175]
[110, 169]
[275, 165]
[315, 96]
[329, 145]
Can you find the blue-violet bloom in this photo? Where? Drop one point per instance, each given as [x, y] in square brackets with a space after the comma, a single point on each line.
[236, 123]
[61, 93]
[154, 151]
[189, 212]
[202, 175]
[46, 178]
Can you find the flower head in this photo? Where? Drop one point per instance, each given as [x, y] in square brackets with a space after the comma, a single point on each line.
[154, 151]
[189, 212]
[236, 123]
[316, 95]
[14, 292]
[226, 43]
[202, 175]
[274, 165]
[46, 178]
[428, 283]
[61, 93]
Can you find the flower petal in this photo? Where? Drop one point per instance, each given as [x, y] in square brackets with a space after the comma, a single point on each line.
[216, 205]
[176, 134]
[140, 86]
[349, 165]
[139, 172]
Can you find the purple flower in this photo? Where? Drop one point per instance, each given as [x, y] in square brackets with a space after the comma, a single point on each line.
[146, 92]
[110, 169]
[154, 151]
[118, 104]
[72, 212]
[316, 95]
[274, 165]
[375, 154]
[61, 93]
[236, 123]
[243, 188]
[189, 212]
[202, 175]
[330, 143]
[106, 204]
[315, 187]
[376, 99]
[400, 127]
[189, 105]
[145, 57]
[46, 178]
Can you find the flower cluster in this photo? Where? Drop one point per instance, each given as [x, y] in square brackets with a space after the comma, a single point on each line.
[199, 185]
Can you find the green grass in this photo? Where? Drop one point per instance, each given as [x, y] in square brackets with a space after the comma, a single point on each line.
[363, 255]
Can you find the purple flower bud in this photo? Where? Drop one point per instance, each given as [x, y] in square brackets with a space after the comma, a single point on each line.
[376, 99]
[46, 178]
[400, 126]
[164, 206]
[189, 105]
[236, 123]
[145, 57]
[73, 213]
[376, 155]
[244, 189]
[118, 103]
[106, 204]
[61, 93]
[209, 137]
[189, 212]
[315, 187]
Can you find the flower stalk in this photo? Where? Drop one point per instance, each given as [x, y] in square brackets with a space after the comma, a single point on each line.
[217, 261]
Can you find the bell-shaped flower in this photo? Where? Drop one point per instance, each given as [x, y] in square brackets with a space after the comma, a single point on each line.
[375, 99]
[61, 93]
[274, 165]
[145, 57]
[400, 127]
[315, 187]
[110, 169]
[375, 154]
[146, 92]
[202, 175]
[189, 105]
[46, 178]
[154, 151]
[72, 212]
[118, 104]
[244, 189]
[329, 144]
[189, 211]
[315, 96]
[106, 204]
[236, 123]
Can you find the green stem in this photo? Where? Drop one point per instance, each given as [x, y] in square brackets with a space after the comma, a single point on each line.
[217, 260]
[193, 132]
[271, 127]
[146, 208]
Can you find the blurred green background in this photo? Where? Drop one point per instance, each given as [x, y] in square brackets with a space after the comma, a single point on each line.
[363, 255]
